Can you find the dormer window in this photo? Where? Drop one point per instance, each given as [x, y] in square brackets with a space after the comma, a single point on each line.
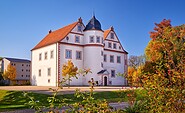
[79, 28]
[77, 39]
[112, 35]
[91, 39]
[114, 46]
[109, 45]
[97, 39]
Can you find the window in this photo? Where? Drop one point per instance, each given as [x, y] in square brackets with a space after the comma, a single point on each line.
[40, 56]
[22, 64]
[49, 71]
[51, 54]
[101, 64]
[22, 75]
[97, 39]
[118, 59]
[27, 65]
[48, 80]
[39, 72]
[101, 53]
[46, 56]
[68, 54]
[110, 45]
[112, 35]
[79, 28]
[112, 73]
[105, 58]
[78, 55]
[22, 70]
[91, 39]
[114, 46]
[111, 58]
[77, 39]
[14, 64]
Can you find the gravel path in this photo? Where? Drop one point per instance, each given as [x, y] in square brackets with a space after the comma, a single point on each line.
[65, 90]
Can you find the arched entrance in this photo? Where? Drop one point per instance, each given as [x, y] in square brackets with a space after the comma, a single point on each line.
[105, 81]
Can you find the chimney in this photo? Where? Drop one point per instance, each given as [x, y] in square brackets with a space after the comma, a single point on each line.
[50, 31]
[112, 29]
[80, 20]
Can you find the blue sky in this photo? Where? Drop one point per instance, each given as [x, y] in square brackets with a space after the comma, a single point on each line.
[23, 23]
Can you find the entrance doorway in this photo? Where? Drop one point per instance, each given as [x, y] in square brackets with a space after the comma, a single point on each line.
[105, 81]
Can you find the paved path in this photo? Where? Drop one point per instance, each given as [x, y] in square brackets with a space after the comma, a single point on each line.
[65, 90]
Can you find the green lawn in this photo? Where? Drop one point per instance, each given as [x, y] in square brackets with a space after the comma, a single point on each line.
[15, 99]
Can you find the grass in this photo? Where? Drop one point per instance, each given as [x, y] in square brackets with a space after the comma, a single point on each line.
[15, 99]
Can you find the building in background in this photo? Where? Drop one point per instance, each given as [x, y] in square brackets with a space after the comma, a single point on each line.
[22, 69]
[87, 47]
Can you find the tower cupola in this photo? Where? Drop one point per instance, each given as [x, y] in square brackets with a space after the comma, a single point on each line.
[93, 24]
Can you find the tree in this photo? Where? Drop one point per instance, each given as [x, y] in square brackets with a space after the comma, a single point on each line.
[10, 73]
[69, 71]
[134, 70]
[164, 73]
[136, 61]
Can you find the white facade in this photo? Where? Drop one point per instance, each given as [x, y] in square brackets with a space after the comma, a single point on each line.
[84, 51]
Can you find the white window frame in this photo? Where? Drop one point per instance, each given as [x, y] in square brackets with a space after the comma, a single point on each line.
[112, 35]
[79, 55]
[46, 55]
[79, 28]
[114, 45]
[119, 57]
[113, 73]
[98, 39]
[105, 58]
[52, 54]
[49, 71]
[91, 39]
[68, 51]
[40, 56]
[112, 61]
[109, 45]
[77, 39]
[40, 73]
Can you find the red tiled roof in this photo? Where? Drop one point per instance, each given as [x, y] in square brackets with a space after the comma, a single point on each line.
[56, 36]
[106, 32]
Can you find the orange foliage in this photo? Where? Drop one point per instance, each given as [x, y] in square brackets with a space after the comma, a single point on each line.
[10, 73]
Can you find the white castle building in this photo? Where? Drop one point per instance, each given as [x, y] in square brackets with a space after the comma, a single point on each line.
[87, 47]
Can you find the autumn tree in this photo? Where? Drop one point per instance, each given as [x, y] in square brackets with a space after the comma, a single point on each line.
[164, 73]
[136, 61]
[10, 73]
[135, 64]
[69, 71]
